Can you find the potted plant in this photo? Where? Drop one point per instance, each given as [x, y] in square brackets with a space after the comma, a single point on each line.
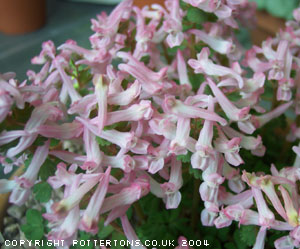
[19, 16]
[165, 133]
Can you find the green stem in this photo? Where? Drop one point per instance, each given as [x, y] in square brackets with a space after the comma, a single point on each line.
[169, 60]
[195, 206]
[139, 212]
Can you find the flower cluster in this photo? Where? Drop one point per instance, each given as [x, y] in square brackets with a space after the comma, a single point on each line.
[155, 86]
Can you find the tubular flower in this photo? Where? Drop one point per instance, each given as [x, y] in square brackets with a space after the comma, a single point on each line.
[242, 116]
[90, 217]
[205, 65]
[204, 151]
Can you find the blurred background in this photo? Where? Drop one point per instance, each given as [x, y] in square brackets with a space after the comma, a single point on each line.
[63, 20]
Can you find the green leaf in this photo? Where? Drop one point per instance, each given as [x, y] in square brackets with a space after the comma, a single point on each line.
[115, 62]
[84, 236]
[196, 15]
[34, 216]
[48, 169]
[196, 80]
[46, 246]
[185, 158]
[8, 160]
[234, 96]
[104, 231]
[28, 161]
[33, 232]
[186, 27]
[237, 239]
[84, 76]
[223, 233]
[197, 173]
[102, 142]
[54, 142]
[230, 245]
[116, 238]
[73, 66]
[42, 191]
[110, 127]
[182, 46]
[248, 234]
[33, 229]
[40, 141]
[183, 5]
[145, 59]
[281, 8]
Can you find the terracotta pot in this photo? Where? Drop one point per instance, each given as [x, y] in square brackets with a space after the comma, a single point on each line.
[4, 197]
[142, 3]
[22, 16]
[267, 26]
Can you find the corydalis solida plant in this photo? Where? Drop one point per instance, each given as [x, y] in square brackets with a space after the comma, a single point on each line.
[131, 105]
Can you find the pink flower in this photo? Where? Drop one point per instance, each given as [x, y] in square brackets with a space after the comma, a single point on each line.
[205, 65]
[220, 9]
[48, 52]
[40, 114]
[108, 25]
[242, 116]
[284, 89]
[144, 33]
[63, 131]
[126, 196]
[74, 196]
[6, 103]
[261, 120]
[94, 155]
[182, 69]
[10, 88]
[91, 56]
[218, 44]
[182, 243]
[125, 97]
[89, 221]
[59, 63]
[172, 196]
[291, 212]
[207, 217]
[21, 186]
[180, 109]
[172, 24]
[204, 155]
[230, 148]
[260, 239]
[255, 63]
[179, 143]
[135, 112]
[266, 216]
[247, 142]
[281, 59]
[296, 149]
[296, 14]
[101, 91]
[284, 242]
[151, 81]
[130, 234]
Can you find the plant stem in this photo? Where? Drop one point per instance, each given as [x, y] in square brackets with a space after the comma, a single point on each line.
[196, 201]
[275, 103]
[169, 60]
[116, 227]
[139, 211]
